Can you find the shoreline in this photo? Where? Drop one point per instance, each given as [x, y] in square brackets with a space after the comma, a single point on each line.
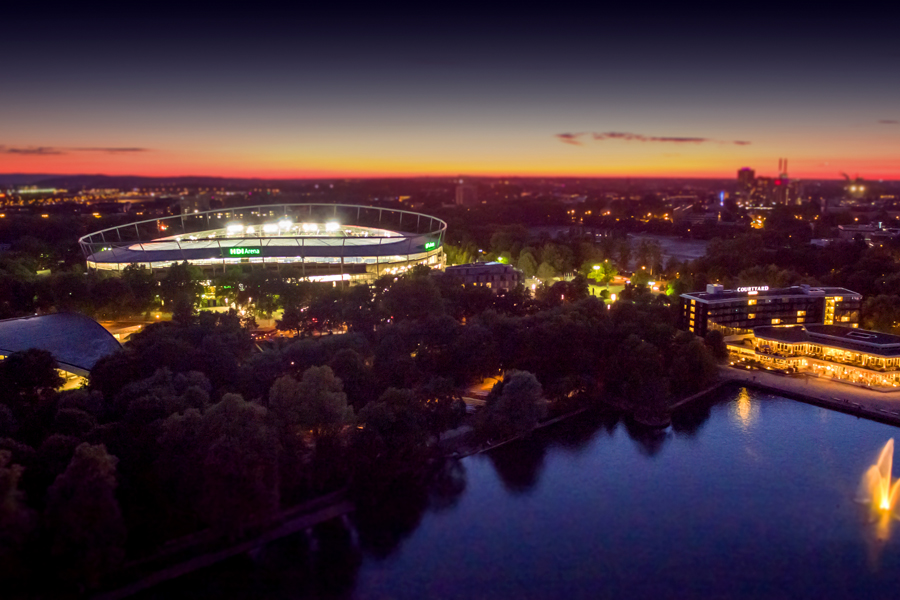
[883, 407]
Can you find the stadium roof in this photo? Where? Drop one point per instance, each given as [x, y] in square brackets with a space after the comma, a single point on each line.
[76, 341]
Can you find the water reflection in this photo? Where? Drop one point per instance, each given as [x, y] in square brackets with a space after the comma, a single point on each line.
[649, 440]
[519, 464]
[596, 486]
[688, 420]
[745, 411]
[386, 517]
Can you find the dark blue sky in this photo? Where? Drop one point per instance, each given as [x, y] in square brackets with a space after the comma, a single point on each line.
[449, 89]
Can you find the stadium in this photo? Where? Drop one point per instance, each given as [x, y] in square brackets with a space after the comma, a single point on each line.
[321, 242]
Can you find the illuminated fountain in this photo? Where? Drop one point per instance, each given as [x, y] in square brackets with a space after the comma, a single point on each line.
[877, 488]
[881, 494]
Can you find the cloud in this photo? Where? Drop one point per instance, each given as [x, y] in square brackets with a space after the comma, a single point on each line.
[889, 122]
[570, 138]
[112, 150]
[636, 137]
[34, 151]
[575, 138]
[53, 151]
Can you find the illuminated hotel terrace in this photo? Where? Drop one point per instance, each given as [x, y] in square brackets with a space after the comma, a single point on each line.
[843, 353]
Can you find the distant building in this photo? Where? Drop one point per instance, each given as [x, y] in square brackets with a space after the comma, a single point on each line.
[842, 353]
[740, 311]
[746, 178]
[769, 190]
[493, 275]
[466, 194]
[871, 234]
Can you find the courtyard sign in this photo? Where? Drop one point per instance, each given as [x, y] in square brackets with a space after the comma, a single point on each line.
[758, 288]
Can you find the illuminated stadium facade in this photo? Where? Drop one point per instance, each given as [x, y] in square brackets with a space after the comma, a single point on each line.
[323, 242]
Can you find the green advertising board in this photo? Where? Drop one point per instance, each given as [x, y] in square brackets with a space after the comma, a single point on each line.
[430, 245]
[235, 251]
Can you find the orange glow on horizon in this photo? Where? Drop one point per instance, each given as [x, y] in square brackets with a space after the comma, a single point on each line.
[555, 162]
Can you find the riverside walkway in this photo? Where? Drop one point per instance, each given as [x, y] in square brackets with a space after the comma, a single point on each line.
[871, 404]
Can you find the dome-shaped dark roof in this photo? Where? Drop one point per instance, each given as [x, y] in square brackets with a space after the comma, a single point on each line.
[76, 341]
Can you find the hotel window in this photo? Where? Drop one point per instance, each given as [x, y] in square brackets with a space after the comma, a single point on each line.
[751, 316]
[776, 321]
[751, 302]
[801, 313]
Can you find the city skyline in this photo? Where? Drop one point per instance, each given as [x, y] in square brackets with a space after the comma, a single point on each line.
[316, 95]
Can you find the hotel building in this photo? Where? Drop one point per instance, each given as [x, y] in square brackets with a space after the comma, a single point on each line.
[742, 310]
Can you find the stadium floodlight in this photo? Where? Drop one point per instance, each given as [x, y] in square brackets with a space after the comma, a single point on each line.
[332, 226]
[250, 229]
[270, 228]
[310, 227]
[235, 228]
[284, 224]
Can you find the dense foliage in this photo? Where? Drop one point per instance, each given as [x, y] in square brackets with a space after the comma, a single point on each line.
[192, 427]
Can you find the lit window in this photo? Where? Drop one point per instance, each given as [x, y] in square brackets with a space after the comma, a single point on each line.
[751, 302]
[776, 321]
[801, 313]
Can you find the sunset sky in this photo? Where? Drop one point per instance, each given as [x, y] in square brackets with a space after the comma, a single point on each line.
[311, 94]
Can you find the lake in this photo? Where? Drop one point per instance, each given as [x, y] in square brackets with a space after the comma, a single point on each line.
[748, 495]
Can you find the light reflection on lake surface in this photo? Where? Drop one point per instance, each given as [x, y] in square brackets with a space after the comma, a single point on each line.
[749, 497]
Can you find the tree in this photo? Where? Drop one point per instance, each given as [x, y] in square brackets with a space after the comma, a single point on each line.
[83, 517]
[291, 320]
[635, 371]
[882, 313]
[603, 272]
[239, 464]
[140, 285]
[413, 297]
[514, 406]
[693, 367]
[715, 342]
[25, 377]
[317, 402]
[17, 521]
[546, 273]
[356, 376]
[182, 282]
[527, 264]
[443, 403]
[623, 253]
